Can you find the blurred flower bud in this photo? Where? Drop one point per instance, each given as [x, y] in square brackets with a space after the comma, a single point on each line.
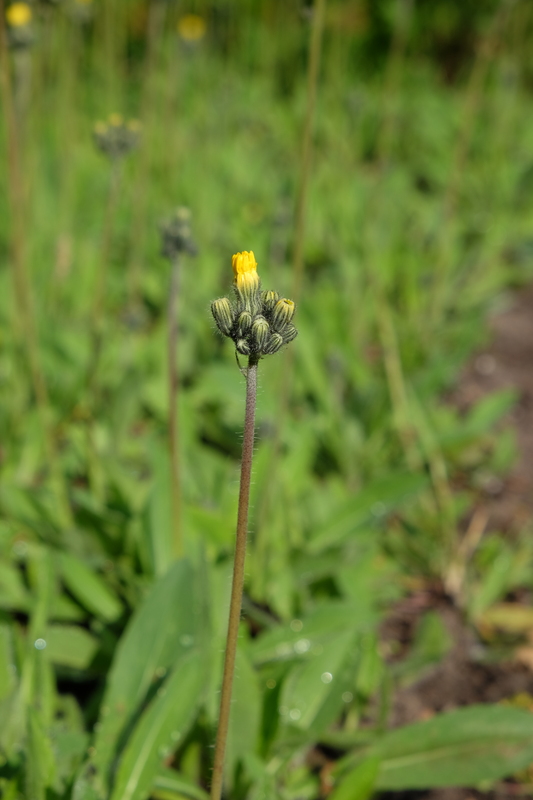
[176, 234]
[116, 138]
[191, 28]
[19, 25]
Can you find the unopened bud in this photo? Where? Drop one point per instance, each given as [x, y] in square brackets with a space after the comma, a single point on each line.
[244, 323]
[243, 347]
[223, 314]
[282, 314]
[260, 331]
[269, 300]
[273, 344]
[289, 334]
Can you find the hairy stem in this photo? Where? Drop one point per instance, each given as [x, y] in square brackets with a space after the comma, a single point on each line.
[173, 386]
[238, 580]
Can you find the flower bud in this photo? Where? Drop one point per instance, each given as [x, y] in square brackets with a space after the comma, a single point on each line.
[273, 344]
[243, 347]
[223, 314]
[260, 331]
[289, 334]
[269, 300]
[282, 314]
[244, 323]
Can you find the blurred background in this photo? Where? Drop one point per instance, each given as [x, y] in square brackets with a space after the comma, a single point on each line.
[377, 157]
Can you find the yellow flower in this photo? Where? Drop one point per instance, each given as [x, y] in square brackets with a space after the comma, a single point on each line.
[115, 120]
[18, 15]
[245, 270]
[191, 27]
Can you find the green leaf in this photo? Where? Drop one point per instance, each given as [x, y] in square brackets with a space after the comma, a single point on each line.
[40, 766]
[304, 638]
[311, 697]
[8, 673]
[359, 783]
[70, 646]
[89, 588]
[158, 514]
[13, 593]
[170, 621]
[169, 781]
[373, 502]
[460, 748]
[161, 728]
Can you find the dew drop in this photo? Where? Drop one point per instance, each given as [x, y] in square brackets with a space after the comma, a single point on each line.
[160, 672]
[39, 644]
[186, 640]
[175, 735]
[302, 646]
[271, 683]
[163, 752]
[297, 625]
[295, 714]
[347, 697]
[326, 677]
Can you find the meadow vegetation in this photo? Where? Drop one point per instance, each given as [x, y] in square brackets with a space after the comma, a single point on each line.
[118, 496]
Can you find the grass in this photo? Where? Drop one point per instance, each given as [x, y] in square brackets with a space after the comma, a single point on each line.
[418, 221]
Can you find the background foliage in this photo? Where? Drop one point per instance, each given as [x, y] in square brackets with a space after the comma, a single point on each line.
[418, 220]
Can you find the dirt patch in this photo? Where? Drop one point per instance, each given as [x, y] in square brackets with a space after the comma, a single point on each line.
[508, 363]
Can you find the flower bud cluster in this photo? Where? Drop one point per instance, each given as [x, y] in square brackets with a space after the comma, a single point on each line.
[176, 237]
[258, 322]
[116, 138]
[20, 33]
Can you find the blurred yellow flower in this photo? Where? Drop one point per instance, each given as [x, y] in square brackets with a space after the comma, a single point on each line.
[18, 15]
[191, 27]
[115, 120]
[245, 270]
